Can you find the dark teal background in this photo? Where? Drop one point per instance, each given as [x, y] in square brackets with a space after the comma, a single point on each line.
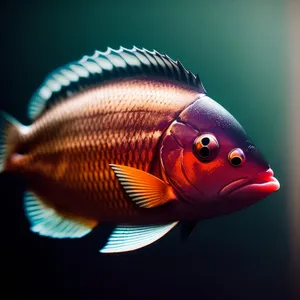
[239, 50]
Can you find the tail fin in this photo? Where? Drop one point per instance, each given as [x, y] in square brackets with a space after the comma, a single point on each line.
[10, 134]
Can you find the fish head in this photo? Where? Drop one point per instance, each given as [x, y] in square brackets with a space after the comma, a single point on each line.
[208, 157]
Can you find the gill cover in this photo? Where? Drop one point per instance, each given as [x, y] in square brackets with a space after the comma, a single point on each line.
[195, 178]
[176, 149]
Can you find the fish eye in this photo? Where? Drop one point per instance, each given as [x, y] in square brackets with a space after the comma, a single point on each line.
[236, 157]
[206, 147]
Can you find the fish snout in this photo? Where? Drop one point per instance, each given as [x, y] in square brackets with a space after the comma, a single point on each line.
[260, 186]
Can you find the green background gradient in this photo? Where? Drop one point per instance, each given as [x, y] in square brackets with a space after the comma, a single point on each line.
[239, 50]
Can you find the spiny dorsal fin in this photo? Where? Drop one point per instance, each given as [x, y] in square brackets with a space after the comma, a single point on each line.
[104, 66]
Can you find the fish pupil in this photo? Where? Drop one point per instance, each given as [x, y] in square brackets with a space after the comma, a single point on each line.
[204, 152]
[236, 161]
[205, 141]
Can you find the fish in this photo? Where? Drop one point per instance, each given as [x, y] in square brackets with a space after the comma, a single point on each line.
[130, 137]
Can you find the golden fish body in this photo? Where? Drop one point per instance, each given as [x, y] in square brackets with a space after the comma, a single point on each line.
[67, 151]
[129, 137]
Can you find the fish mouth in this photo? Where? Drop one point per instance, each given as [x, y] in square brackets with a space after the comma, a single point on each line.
[262, 184]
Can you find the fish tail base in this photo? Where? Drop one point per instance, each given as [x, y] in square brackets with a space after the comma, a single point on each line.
[11, 132]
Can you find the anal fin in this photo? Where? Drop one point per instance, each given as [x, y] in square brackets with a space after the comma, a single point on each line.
[129, 237]
[46, 221]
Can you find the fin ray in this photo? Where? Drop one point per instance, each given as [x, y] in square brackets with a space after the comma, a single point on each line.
[128, 238]
[46, 221]
[10, 132]
[109, 65]
[143, 188]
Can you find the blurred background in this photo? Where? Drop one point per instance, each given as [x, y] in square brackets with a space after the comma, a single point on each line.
[246, 55]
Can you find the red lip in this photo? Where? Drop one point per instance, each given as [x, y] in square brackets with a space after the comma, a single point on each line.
[263, 183]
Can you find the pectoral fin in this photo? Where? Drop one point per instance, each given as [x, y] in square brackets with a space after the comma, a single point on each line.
[143, 188]
[128, 238]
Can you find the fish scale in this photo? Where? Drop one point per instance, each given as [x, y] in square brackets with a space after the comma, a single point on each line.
[119, 137]
[124, 133]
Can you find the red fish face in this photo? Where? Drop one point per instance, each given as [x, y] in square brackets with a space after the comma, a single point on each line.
[244, 192]
[208, 158]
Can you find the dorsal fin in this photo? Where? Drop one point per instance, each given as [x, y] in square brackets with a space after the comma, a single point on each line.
[109, 65]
